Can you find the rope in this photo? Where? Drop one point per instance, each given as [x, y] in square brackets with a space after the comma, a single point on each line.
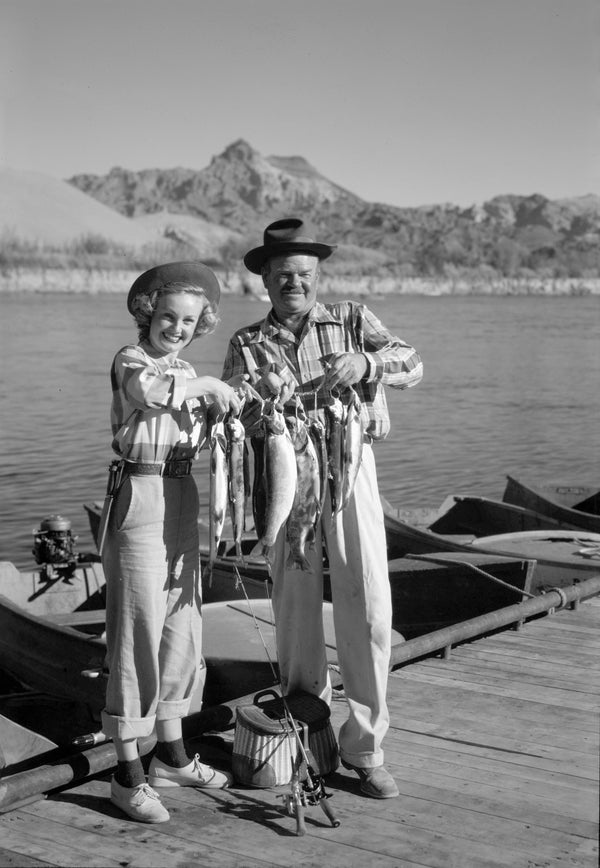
[446, 562]
[588, 551]
[563, 598]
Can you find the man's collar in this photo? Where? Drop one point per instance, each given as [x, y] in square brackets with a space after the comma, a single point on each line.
[318, 313]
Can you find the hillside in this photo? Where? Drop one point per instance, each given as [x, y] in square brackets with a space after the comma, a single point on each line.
[43, 210]
[242, 191]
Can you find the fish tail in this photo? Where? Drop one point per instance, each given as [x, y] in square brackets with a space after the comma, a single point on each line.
[299, 562]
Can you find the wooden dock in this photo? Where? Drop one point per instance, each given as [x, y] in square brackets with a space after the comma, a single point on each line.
[495, 751]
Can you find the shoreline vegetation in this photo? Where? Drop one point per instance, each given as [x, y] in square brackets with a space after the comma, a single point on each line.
[93, 264]
[92, 280]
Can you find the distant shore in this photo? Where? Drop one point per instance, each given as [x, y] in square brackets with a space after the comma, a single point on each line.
[93, 280]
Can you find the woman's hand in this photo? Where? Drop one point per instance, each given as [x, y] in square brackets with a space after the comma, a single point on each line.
[240, 383]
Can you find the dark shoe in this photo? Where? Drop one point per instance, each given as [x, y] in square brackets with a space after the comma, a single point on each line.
[375, 782]
[140, 803]
[196, 774]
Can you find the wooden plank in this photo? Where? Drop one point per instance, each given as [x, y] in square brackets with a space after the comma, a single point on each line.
[76, 619]
[401, 827]
[470, 672]
[491, 750]
[10, 859]
[451, 688]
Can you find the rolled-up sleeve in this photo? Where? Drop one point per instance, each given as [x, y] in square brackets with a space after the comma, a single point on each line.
[145, 386]
[391, 361]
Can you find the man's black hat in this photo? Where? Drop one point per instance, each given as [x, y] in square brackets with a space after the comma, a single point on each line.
[285, 236]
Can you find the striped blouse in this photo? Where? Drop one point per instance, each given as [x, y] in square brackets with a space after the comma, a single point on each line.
[330, 329]
[151, 420]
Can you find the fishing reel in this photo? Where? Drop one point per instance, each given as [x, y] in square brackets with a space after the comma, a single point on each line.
[308, 794]
[54, 548]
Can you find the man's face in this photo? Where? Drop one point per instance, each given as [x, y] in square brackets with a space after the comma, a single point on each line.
[291, 281]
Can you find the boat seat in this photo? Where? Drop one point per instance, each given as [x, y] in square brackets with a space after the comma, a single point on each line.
[77, 619]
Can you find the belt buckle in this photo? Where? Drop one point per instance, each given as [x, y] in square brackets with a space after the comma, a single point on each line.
[179, 467]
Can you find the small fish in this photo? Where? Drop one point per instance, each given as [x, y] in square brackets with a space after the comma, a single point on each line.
[353, 444]
[335, 412]
[307, 500]
[319, 437]
[280, 476]
[218, 490]
[236, 440]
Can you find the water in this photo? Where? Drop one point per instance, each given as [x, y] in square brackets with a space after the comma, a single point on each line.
[511, 386]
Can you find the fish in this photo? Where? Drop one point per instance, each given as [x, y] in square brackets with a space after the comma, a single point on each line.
[259, 494]
[335, 412]
[235, 434]
[300, 527]
[353, 445]
[218, 490]
[319, 437]
[280, 476]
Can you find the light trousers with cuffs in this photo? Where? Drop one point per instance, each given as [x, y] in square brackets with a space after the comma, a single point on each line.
[356, 546]
[153, 611]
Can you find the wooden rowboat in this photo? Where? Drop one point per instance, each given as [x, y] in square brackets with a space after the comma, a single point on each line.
[562, 557]
[426, 594]
[579, 505]
[53, 638]
[481, 516]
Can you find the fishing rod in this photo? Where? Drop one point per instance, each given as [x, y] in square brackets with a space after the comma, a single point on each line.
[308, 789]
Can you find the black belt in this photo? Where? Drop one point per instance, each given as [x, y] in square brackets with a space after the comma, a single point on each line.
[174, 468]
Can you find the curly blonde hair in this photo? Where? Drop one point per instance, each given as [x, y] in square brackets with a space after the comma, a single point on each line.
[143, 307]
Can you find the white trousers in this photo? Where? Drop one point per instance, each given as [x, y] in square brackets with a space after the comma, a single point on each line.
[362, 609]
[151, 560]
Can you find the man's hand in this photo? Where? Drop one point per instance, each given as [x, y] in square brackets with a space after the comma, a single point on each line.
[278, 386]
[345, 369]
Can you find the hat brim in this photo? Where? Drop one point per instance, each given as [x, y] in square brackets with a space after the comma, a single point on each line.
[256, 258]
[192, 273]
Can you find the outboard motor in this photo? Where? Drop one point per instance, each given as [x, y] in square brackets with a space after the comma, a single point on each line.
[54, 548]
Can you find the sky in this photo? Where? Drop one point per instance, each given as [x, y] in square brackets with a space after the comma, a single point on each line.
[405, 102]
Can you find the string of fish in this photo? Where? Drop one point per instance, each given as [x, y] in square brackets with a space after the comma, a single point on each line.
[297, 459]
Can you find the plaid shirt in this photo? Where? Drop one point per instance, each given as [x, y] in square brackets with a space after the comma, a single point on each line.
[151, 420]
[330, 329]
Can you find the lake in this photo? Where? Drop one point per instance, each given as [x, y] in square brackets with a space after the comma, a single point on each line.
[511, 385]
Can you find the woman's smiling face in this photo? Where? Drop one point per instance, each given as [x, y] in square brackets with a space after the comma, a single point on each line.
[174, 321]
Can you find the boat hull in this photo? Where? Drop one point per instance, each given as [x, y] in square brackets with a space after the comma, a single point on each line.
[482, 516]
[578, 505]
[560, 559]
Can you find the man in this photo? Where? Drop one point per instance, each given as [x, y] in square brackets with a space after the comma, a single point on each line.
[307, 349]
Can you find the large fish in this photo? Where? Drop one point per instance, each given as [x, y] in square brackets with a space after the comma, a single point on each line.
[353, 444]
[307, 501]
[335, 415]
[218, 490]
[236, 440]
[280, 475]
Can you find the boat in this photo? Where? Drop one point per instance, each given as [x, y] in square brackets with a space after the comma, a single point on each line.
[579, 505]
[562, 556]
[53, 637]
[427, 594]
[483, 516]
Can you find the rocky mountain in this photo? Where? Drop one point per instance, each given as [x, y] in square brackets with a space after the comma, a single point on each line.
[242, 191]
